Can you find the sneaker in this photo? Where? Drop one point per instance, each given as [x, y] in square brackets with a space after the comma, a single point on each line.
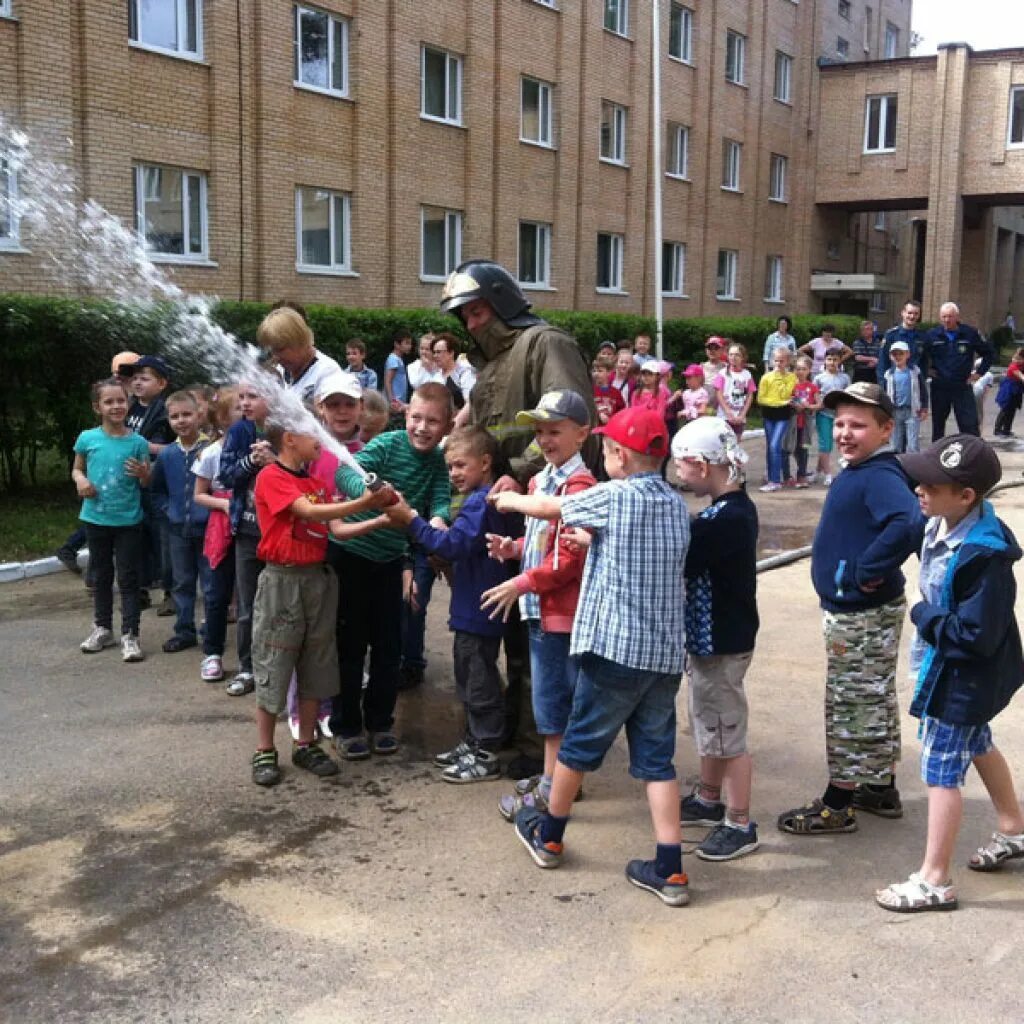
[479, 766]
[802, 482]
[695, 812]
[313, 758]
[212, 669]
[673, 891]
[790, 483]
[769, 488]
[69, 559]
[265, 771]
[352, 748]
[826, 480]
[179, 642]
[99, 638]
[886, 804]
[726, 842]
[242, 684]
[166, 607]
[545, 855]
[384, 743]
[293, 727]
[528, 793]
[449, 757]
[130, 649]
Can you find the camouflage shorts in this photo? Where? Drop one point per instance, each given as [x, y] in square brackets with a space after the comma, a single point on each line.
[862, 717]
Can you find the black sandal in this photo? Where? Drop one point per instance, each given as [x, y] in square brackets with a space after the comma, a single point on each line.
[817, 820]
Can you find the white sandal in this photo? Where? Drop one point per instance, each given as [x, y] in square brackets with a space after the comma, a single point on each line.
[1001, 848]
[915, 895]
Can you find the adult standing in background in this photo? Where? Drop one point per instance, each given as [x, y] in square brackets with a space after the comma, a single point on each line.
[779, 338]
[457, 375]
[907, 330]
[424, 369]
[865, 354]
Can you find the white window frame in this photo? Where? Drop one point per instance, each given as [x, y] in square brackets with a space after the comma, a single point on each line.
[5, 9]
[782, 89]
[732, 165]
[452, 242]
[774, 279]
[343, 269]
[892, 41]
[203, 256]
[843, 48]
[735, 57]
[616, 135]
[452, 67]
[547, 3]
[879, 220]
[545, 110]
[181, 24]
[614, 269]
[682, 40]
[731, 274]
[888, 110]
[673, 267]
[542, 246]
[333, 89]
[12, 240]
[778, 178]
[1011, 142]
[879, 302]
[677, 152]
[619, 11]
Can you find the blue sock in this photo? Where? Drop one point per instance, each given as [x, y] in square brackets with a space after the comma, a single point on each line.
[552, 829]
[669, 859]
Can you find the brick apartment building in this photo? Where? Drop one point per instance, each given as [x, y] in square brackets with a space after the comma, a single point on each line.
[353, 151]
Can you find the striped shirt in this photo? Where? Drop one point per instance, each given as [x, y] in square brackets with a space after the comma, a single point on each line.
[421, 477]
[631, 601]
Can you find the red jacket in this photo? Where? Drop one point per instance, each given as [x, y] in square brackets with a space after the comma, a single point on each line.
[557, 578]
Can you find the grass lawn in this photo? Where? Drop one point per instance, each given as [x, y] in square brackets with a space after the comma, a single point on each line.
[36, 521]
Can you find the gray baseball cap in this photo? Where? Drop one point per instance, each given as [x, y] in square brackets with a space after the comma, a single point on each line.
[556, 405]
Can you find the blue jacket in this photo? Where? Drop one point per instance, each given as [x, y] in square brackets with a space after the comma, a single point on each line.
[870, 524]
[915, 341]
[174, 481]
[465, 546]
[237, 469]
[951, 362]
[973, 665]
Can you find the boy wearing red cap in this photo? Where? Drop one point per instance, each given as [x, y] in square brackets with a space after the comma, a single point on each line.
[629, 638]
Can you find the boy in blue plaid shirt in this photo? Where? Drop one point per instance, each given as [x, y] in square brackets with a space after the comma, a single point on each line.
[629, 638]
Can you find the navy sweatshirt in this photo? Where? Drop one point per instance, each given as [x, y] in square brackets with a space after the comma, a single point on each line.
[869, 526]
[950, 360]
[238, 473]
[174, 482]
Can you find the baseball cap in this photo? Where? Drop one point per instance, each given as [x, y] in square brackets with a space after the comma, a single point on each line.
[711, 439]
[899, 346]
[339, 383]
[694, 370]
[958, 459]
[638, 429]
[154, 363]
[862, 393]
[651, 366]
[556, 405]
[715, 342]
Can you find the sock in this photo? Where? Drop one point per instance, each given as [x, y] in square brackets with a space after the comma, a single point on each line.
[738, 819]
[837, 799]
[668, 859]
[709, 796]
[552, 829]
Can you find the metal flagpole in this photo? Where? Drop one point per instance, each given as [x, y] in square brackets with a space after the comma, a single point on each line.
[659, 313]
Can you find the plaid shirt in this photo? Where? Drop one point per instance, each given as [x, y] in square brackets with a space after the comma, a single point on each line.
[631, 602]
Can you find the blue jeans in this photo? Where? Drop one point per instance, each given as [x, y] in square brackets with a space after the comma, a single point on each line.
[774, 435]
[610, 696]
[217, 590]
[414, 624]
[906, 430]
[553, 674]
[188, 567]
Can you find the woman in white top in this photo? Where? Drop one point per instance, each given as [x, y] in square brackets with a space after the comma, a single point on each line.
[779, 338]
[425, 368]
[456, 374]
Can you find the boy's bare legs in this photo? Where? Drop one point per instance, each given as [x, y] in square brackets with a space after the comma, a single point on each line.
[731, 777]
[565, 784]
[995, 774]
[552, 744]
[945, 811]
[265, 723]
[663, 798]
[308, 712]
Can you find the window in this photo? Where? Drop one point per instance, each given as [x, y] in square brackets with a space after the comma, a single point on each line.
[728, 263]
[441, 86]
[172, 26]
[735, 57]
[731, 165]
[1016, 137]
[677, 152]
[616, 16]
[5, 12]
[440, 243]
[880, 124]
[546, 3]
[9, 226]
[878, 302]
[777, 171]
[609, 262]
[892, 40]
[869, 20]
[880, 220]
[680, 32]
[783, 77]
[170, 212]
[321, 51]
[534, 254]
[773, 279]
[673, 269]
[844, 9]
[323, 229]
[535, 115]
[613, 132]
[843, 47]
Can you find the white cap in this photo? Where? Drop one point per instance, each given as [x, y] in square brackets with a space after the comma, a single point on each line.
[651, 366]
[339, 383]
[710, 438]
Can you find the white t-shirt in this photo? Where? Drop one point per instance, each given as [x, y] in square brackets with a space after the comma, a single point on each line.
[831, 382]
[420, 375]
[207, 465]
[733, 389]
[305, 385]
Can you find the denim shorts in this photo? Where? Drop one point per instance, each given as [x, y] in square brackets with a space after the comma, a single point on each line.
[948, 750]
[609, 696]
[553, 679]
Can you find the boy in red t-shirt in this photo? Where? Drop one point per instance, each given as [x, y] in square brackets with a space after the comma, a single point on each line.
[297, 599]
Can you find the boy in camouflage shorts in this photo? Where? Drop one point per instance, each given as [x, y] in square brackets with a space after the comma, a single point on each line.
[869, 525]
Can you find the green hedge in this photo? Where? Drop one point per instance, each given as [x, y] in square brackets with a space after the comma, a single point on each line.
[52, 349]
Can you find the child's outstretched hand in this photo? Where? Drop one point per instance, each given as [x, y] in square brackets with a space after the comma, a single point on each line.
[86, 488]
[577, 538]
[501, 549]
[499, 600]
[399, 513]
[384, 497]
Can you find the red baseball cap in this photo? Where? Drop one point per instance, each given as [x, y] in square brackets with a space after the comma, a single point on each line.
[640, 430]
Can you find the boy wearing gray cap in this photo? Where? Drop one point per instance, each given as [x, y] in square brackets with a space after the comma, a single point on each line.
[906, 388]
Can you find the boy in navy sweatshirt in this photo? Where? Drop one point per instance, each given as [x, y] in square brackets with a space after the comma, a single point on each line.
[472, 456]
[869, 525]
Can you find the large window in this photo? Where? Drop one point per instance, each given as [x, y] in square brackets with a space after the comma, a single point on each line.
[609, 262]
[321, 51]
[731, 155]
[843, 48]
[673, 269]
[441, 86]
[534, 254]
[323, 230]
[677, 151]
[616, 16]
[844, 9]
[680, 32]
[9, 227]
[892, 40]
[773, 279]
[172, 26]
[440, 242]
[5, 8]
[783, 90]
[777, 171]
[880, 124]
[1016, 134]
[613, 132]
[170, 211]
[535, 118]
[735, 57]
[728, 266]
